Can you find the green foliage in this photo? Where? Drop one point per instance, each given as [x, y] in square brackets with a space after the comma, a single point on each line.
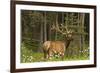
[29, 56]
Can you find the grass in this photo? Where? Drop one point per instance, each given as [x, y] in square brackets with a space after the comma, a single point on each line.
[29, 56]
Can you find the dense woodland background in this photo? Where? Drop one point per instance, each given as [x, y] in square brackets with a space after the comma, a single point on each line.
[36, 28]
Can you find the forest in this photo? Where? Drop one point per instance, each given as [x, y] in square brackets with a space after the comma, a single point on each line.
[36, 28]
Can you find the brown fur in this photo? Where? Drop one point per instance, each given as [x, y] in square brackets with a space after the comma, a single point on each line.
[53, 47]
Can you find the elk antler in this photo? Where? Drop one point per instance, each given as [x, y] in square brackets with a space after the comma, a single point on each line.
[58, 28]
[63, 29]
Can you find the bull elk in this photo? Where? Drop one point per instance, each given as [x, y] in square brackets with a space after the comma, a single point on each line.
[58, 47]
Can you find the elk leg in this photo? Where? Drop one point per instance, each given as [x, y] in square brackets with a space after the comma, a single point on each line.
[62, 56]
[45, 54]
[50, 54]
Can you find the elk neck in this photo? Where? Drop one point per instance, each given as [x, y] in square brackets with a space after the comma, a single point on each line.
[67, 42]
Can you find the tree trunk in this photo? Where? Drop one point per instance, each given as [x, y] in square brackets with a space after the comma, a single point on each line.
[45, 26]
